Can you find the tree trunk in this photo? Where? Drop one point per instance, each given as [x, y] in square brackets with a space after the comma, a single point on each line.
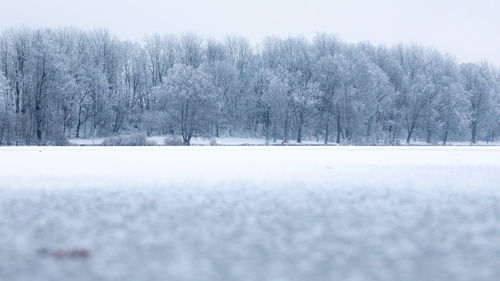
[410, 132]
[117, 124]
[38, 111]
[300, 126]
[445, 135]
[78, 129]
[428, 136]
[369, 129]
[339, 129]
[267, 125]
[394, 136]
[285, 130]
[327, 128]
[274, 132]
[445, 138]
[18, 94]
[38, 119]
[473, 133]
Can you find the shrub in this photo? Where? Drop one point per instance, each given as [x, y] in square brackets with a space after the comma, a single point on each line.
[130, 140]
[60, 141]
[173, 141]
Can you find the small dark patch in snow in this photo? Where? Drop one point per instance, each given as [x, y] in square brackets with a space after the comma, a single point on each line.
[64, 254]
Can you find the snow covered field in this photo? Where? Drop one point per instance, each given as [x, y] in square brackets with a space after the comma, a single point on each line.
[249, 213]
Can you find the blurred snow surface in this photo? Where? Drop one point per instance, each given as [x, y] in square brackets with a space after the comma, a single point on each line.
[249, 213]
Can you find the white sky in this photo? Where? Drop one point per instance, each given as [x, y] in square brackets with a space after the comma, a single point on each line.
[468, 29]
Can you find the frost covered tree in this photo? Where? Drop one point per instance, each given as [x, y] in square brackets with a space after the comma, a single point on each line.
[333, 78]
[224, 77]
[215, 51]
[415, 89]
[189, 99]
[275, 101]
[370, 101]
[66, 83]
[239, 52]
[6, 112]
[478, 84]
[304, 100]
[191, 51]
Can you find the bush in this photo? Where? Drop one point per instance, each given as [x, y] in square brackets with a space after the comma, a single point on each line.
[173, 141]
[60, 141]
[130, 140]
[155, 123]
[213, 142]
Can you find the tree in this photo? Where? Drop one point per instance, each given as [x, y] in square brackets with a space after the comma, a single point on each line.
[416, 91]
[215, 51]
[451, 111]
[333, 78]
[189, 99]
[271, 92]
[191, 50]
[239, 52]
[6, 112]
[304, 101]
[275, 102]
[69, 83]
[224, 78]
[161, 52]
[371, 99]
[478, 83]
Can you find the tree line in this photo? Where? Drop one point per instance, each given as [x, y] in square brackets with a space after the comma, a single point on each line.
[65, 83]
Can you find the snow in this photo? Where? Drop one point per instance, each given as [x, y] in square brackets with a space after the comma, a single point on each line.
[160, 140]
[84, 141]
[250, 213]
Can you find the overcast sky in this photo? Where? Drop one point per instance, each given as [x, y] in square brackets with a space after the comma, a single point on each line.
[468, 29]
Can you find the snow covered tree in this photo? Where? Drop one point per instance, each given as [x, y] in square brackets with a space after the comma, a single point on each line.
[304, 100]
[332, 74]
[189, 99]
[215, 51]
[272, 95]
[224, 77]
[478, 84]
[369, 101]
[239, 52]
[66, 83]
[6, 112]
[191, 51]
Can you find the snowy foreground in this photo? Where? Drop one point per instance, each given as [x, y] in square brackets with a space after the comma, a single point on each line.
[250, 213]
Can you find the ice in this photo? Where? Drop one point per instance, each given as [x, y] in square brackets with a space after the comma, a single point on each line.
[250, 213]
